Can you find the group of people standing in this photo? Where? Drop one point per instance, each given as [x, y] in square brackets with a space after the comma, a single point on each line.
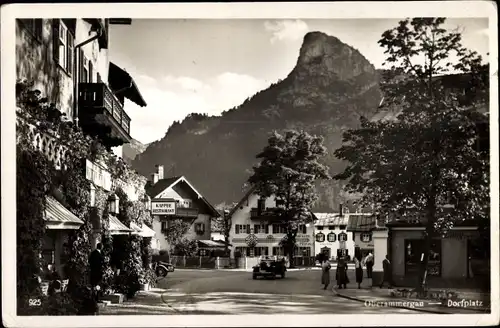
[341, 276]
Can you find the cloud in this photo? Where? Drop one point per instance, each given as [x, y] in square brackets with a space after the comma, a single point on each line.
[286, 30]
[172, 98]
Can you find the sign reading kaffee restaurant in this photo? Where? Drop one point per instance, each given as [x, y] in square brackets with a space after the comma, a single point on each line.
[163, 208]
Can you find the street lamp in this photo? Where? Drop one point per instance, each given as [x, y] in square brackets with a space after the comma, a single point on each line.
[114, 204]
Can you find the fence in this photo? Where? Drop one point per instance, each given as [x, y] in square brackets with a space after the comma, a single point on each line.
[246, 262]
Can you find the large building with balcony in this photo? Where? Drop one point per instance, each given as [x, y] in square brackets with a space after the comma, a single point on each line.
[256, 230]
[67, 60]
[175, 198]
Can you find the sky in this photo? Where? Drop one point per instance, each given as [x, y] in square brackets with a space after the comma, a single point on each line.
[184, 66]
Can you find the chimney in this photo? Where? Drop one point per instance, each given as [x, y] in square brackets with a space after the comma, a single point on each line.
[154, 178]
[341, 209]
[160, 172]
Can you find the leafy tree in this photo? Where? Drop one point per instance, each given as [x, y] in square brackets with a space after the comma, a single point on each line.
[223, 223]
[288, 171]
[425, 155]
[185, 246]
[176, 231]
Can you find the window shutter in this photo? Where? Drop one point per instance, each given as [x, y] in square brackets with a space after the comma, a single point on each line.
[248, 228]
[55, 39]
[99, 80]
[91, 72]
[69, 55]
[267, 228]
[237, 227]
[81, 58]
[256, 228]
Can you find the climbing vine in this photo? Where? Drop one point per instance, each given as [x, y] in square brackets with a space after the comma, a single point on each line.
[37, 178]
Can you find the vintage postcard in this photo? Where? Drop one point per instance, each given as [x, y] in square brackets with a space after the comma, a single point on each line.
[250, 164]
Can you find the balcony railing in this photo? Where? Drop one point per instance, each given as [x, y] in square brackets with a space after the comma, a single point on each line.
[99, 96]
[48, 143]
[267, 214]
[187, 212]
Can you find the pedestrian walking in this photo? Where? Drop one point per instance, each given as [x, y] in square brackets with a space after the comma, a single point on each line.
[341, 274]
[96, 264]
[359, 270]
[369, 265]
[387, 278]
[325, 275]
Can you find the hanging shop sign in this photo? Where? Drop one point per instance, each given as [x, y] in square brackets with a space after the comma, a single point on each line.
[163, 207]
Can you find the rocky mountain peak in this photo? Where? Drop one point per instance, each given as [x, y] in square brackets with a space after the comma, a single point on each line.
[326, 55]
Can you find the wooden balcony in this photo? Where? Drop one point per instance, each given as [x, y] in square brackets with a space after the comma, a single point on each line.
[101, 113]
[269, 214]
[187, 212]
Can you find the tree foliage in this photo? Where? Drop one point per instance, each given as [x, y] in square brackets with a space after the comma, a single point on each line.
[288, 169]
[425, 155]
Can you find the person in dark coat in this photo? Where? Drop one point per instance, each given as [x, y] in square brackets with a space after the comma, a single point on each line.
[341, 274]
[359, 270]
[96, 264]
[325, 275]
[386, 264]
[369, 265]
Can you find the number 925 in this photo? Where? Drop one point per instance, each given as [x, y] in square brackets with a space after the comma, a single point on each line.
[34, 302]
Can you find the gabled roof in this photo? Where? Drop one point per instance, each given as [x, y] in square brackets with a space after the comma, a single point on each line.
[361, 222]
[331, 219]
[163, 184]
[247, 195]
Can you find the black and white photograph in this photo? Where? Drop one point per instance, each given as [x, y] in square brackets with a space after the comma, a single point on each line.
[282, 164]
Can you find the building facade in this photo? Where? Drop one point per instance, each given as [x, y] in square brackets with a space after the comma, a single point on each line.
[175, 198]
[255, 231]
[67, 60]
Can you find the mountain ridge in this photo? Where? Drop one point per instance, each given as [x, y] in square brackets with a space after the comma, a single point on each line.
[331, 85]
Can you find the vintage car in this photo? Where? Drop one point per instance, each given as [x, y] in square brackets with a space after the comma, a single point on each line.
[162, 265]
[269, 267]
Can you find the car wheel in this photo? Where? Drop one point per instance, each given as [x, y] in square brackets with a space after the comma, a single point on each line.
[162, 272]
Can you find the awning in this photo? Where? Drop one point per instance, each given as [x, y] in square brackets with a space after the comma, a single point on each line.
[59, 217]
[210, 244]
[122, 82]
[116, 227]
[143, 231]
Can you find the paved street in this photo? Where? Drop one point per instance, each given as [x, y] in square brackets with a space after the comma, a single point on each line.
[235, 292]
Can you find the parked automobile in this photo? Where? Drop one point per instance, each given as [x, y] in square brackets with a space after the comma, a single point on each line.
[269, 267]
[162, 265]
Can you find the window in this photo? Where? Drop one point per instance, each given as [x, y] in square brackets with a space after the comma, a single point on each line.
[303, 251]
[413, 253]
[342, 236]
[332, 227]
[242, 228]
[332, 237]
[261, 228]
[164, 226]
[34, 27]
[320, 237]
[342, 227]
[319, 228]
[199, 228]
[302, 229]
[366, 237]
[63, 46]
[258, 251]
[279, 228]
[278, 251]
